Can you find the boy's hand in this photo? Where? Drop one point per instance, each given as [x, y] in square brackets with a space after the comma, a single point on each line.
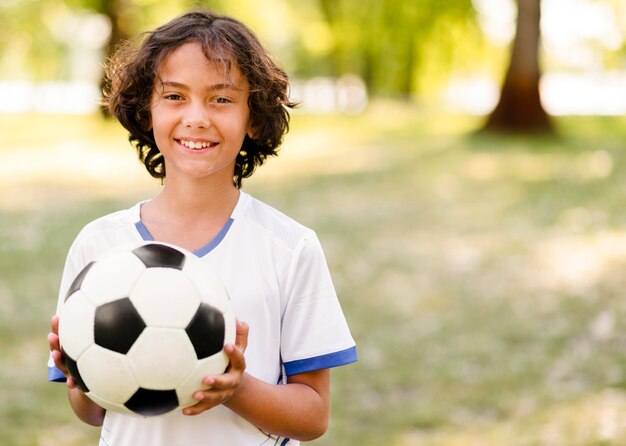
[223, 387]
[57, 355]
[85, 408]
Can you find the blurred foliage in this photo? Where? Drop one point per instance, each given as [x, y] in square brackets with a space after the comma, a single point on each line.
[399, 47]
[616, 59]
[389, 42]
[37, 36]
[28, 46]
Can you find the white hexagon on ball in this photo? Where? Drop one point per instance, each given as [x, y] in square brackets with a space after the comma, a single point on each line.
[76, 324]
[168, 369]
[98, 285]
[165, 297]
[100, 368]
[109, 405]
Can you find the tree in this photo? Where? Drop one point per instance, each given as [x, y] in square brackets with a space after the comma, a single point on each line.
[390, 43]
[519, 108]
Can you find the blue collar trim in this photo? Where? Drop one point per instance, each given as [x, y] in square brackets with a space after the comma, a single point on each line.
[200, 252]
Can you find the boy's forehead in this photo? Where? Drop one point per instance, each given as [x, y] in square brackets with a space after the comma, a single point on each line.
[191, 57]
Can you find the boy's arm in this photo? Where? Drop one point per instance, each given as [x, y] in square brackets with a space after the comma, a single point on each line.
[298, 410]
[83, 407]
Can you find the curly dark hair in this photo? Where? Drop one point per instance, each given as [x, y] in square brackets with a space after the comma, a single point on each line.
[130, 77]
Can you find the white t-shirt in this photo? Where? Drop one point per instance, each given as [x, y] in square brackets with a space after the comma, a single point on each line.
[277, 278]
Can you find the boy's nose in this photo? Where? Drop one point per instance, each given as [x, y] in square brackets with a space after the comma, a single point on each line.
[196, 117]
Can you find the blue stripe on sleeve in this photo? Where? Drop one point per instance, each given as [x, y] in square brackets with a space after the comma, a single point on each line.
[55, 375]
[330, 360]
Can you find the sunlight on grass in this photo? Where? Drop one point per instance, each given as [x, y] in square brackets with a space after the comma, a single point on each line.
[73, 156]
[594, 420]
[575, 263]
[541, 167]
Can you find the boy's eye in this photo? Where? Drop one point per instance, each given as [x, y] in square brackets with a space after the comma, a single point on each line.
[173, 97]
[222, 100]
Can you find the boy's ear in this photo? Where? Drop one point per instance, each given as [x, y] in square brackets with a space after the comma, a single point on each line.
[251, 132]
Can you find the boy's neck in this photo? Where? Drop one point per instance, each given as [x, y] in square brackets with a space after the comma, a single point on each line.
[189, 217]
[187, 201]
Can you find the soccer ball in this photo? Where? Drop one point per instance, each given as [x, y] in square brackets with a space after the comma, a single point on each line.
[142, 325]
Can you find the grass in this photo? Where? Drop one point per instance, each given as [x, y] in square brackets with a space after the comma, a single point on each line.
[481, 274]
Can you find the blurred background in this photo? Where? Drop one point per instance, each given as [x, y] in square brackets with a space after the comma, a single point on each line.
[461, 161]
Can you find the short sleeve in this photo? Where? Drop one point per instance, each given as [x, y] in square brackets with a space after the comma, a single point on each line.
[315, 334]
[70, 271]
[54, 374]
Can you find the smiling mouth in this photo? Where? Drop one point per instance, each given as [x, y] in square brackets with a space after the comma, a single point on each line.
[196, 145]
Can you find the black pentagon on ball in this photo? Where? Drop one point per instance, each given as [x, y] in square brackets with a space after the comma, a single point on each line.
[149, 402]
[78, 281]
[117, 325]
[155, 255]
[206, 331]
[72, 367]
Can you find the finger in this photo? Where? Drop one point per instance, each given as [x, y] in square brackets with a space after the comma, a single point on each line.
[54, 324]
[226, 381]
[236, 363]
[71, 382]
[241, 337]
[57, 357]
[205, 404]
[211, 397]
[236, 357]
[195, 409]
[53, 341]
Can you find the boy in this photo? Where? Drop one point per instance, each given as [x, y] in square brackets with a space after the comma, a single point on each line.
[205, 104]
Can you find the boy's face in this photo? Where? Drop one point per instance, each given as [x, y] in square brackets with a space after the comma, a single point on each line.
[199, 114]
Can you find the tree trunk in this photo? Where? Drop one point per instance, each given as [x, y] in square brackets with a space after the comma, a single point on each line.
[114, 10]
[519, 108]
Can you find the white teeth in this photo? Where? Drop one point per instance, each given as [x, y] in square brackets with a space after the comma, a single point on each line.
[195, 145]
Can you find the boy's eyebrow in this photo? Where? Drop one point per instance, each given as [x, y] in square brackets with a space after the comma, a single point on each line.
[213, 87]
[174, 85]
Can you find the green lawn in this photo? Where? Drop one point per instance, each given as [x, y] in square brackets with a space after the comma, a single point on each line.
[481, 275]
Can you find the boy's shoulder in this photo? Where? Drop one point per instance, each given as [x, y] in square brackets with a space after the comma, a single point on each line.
[115, 226]
[274, 222]
[113, 220]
